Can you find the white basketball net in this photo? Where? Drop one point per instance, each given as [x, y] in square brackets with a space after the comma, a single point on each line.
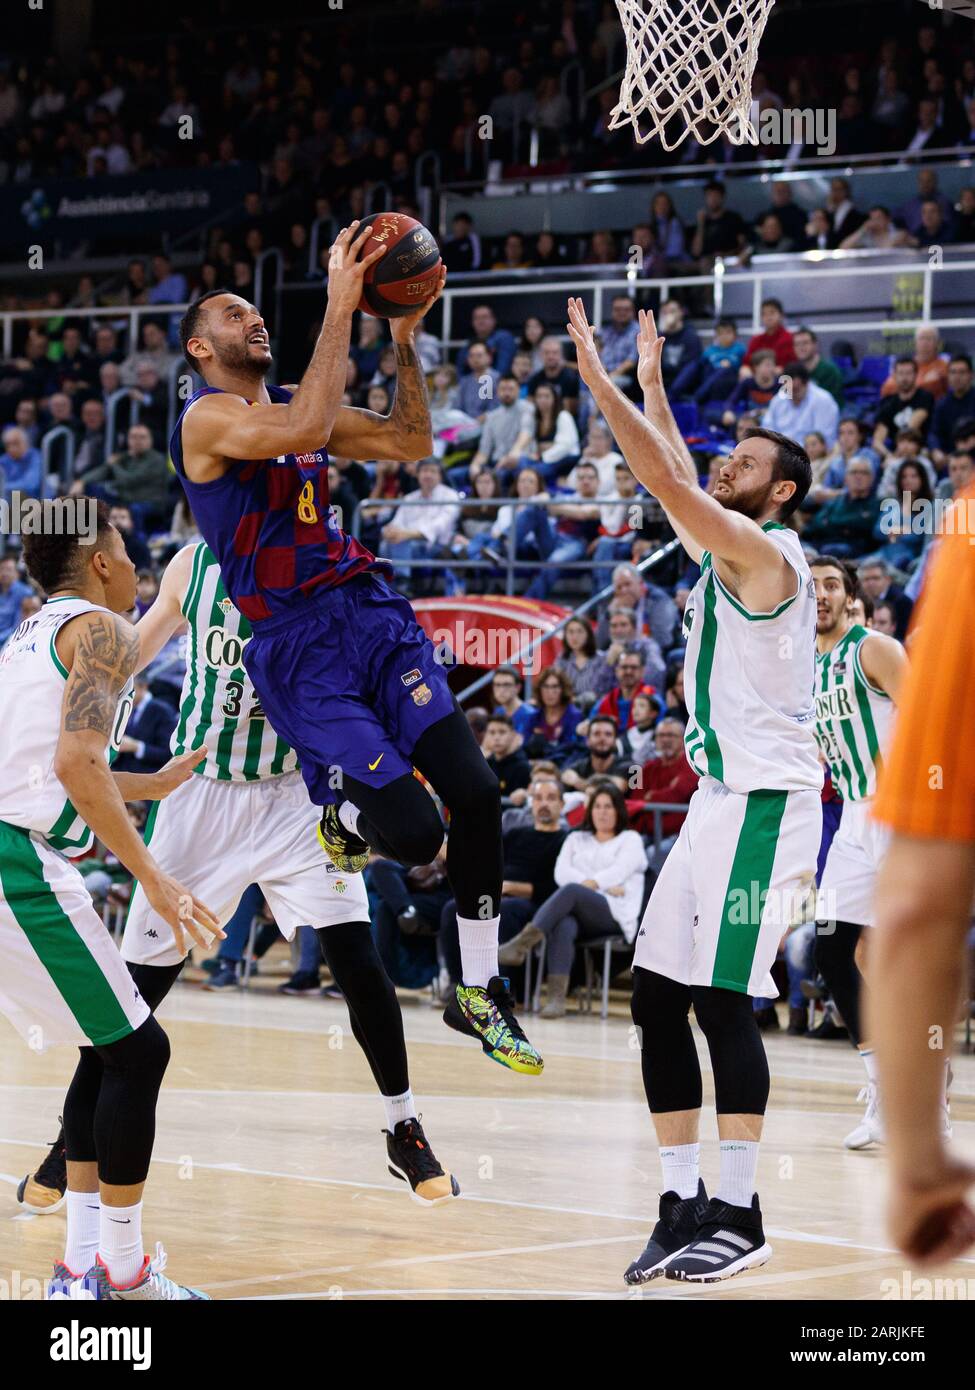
[690, 57]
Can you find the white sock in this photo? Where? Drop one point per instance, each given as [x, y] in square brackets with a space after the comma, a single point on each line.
[739, 1161]
[869, 1060]
[399, 1108]
[120, 1243]
[81, 1237]
[349, 816]
[681, 1167]
[478, 949]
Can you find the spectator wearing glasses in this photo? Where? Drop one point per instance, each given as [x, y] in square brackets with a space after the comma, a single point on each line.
[553, 734]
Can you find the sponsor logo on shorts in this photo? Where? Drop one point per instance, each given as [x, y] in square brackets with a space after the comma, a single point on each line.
[422, 695]
[412, 677]
[151, 931]
[330, 868]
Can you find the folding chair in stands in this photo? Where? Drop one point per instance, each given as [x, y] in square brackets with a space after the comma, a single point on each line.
[609, 946]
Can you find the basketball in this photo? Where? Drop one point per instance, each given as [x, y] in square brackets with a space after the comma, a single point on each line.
[402, 279]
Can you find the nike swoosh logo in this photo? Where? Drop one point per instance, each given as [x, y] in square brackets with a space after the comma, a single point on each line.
[373, 766]
[126, 1222]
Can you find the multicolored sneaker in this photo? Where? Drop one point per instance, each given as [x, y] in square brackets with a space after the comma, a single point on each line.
[66, 1284]
[347, 852]
[489, 1015]
[412, 1159]
[43, 1192]
[151, 1284]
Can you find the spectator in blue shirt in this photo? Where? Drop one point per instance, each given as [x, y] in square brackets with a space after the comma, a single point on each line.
[168, 285]
[801, 407]
[618, 349]
[713, 375]
[21, 465]
[485, 330]
[682, 344]
[13, 591]
[957, 405]
[477, 392]
[506, 688]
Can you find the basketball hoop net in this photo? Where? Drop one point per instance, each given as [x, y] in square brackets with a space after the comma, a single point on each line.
[694, 58]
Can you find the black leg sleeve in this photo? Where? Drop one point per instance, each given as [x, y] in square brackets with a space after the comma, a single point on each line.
[671, 1071]
[125, 1114]
[738, 1061]
[836, 944]
[377, 1021]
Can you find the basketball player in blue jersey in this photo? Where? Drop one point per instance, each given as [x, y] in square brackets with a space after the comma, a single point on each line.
[344, 672]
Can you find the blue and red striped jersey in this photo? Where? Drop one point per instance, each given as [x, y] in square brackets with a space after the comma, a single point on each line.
[271, 526]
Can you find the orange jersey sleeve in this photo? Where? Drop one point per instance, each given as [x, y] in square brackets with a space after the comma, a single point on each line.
[927, 786]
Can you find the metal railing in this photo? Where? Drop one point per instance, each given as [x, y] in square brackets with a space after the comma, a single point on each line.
[728, 275]
[512, 564]
[66, 470]
[126, 316]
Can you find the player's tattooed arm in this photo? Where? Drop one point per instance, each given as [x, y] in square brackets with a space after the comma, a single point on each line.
[410, 415]
[106, 654]
[404, 435]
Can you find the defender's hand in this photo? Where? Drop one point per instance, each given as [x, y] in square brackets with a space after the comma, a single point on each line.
[174, 773]
[650, 346]
[587, 355]
[184, 913]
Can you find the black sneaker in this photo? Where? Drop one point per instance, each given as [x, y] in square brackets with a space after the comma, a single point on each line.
[679, 1220]
[348, 853]
[301, 982]
[489, 1016]
[728, 1241]
[767, 1019]
[412, 1159]
[42, 1192]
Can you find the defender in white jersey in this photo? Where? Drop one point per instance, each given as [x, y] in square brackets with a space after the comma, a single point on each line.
[65, 693]
[245, 816]
[746, 854]
[859, 674]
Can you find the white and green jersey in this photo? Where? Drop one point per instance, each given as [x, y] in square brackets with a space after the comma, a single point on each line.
[218, 705]
[32, 681]
[748, 682]
[853, 717]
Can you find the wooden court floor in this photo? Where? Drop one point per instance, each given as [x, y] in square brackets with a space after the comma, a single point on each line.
[269, 1178]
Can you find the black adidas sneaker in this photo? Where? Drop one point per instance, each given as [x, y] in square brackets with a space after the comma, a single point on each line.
[728, 1241]
[678, 1224]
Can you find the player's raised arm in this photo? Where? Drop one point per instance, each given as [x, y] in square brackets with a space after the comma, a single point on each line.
[224, 426]
[728, 535]
[101, 652]
[165, 618]
[405, 434]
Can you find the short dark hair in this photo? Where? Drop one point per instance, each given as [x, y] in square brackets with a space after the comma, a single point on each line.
[725, 322]
[961, 357]
[611, 790]
[189, 324]
[509, 671]
[791, 464]
[499, 719]
[846, 571]
[775, 303]
[803, 328]
[866, 600]
[604, 719]
[714, 185]
[963, 429]
[796, 369]
[905, 357]
[56, 556]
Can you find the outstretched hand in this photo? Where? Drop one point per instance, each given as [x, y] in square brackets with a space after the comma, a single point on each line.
[649, 347]
[346, 271]
[580, 330]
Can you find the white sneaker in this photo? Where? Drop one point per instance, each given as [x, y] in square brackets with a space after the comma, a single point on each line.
[870, 1130]
[151, 1283]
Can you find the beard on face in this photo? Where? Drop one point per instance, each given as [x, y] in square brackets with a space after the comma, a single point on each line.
[235, 356]
[752, 504]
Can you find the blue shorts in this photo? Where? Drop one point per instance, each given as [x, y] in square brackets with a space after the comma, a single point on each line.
[350, 681]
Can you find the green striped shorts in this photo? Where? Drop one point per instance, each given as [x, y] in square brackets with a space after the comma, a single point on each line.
[62, 979]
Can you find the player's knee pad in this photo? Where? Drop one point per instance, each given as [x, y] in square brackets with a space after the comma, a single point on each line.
[738, 1061]
[141, 1056]
[658, 1005]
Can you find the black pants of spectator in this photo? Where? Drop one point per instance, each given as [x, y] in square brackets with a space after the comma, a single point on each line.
[515, 912]
[400, 820]
[391, 891]
[835, 955]
[572, 914]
